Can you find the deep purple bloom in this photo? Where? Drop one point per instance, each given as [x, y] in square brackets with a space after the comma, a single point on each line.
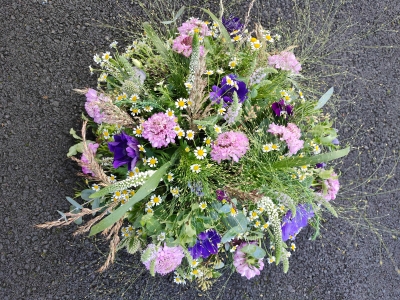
[125, 149]
[229, 85]
[222, 195]
[196, 188]
[291, 225]
[335, 142]
[206, 244]
[281, 108]
[320, 165]
[232, 24]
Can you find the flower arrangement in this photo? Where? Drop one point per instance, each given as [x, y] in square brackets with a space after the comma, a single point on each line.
[205, 153]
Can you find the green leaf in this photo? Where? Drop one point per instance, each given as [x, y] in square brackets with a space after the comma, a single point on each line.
[312, 160]
[238, 220]
[219, 265]
[158, 43]
[254, 250]
[73, 133]
[74, 203]
[62, 215]
[95, 204]
[145, 190]
[73, 150]
[78, 221]
[153, 267]
[86, 193]
[325, 97]
[190, 231]
[230, 234]
[133, 245]
[225, 209]
[153, 226]
[222, 29]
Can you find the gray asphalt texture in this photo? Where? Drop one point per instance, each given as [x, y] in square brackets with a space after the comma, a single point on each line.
[45, 50]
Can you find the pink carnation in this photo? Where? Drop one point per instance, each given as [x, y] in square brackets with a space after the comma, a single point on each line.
[92, 148]
[92, 105]
[183, 45]
[290, 134]
[167, 259]
[285, 61]
[242, 265]
[159, 130]
[229, 145]
[332, 187]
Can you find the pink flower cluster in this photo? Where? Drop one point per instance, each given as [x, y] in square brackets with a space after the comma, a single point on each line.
[92, 147]
[92, 105]
[290, 134]
[242, 265]
[229, 145]
[285, 61]
[166, 258]
[183, 43]
[332, 187]
[159, 130]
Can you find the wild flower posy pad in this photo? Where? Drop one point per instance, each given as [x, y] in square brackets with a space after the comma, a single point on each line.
[205, 153]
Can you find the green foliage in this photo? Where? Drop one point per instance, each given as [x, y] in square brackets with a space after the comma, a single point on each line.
[324, 99]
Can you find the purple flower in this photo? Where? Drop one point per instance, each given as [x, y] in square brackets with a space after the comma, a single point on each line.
[232, 24]
[285, 61]
[291, 225]
[320, 165]
[229, 85]
[92, 105]
[335, 142]
[206, 244]
[229, 146]
[222, 195]
[125, 149]
[92, 147]
[290, 134]
[159, 130]
[166, 258]
[281, 108]
[246, 266]
[196, 188]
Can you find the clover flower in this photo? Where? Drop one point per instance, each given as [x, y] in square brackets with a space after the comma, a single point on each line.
[291, 225]
[159, 130]
[229, 146]
[194, 25]
[285, 61]
[183, 44]
[125, 149]
[245, 265]
[330, 187]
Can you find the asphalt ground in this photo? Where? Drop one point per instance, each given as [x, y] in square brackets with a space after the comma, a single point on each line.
[45, 50]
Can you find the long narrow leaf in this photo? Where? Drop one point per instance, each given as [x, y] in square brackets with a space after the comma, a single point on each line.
[298, 161]
[74, 203]
[145, 190]
[325, 97]
[158, 43]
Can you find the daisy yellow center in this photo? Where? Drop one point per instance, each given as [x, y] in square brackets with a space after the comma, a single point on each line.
[275, 147]
[156, 200]
[196, 167]
[236, 38]
[153, 161]
[200, 152]
[253, 40]
[257, 45]
[268, 37]
[181, 103]
[232, 64]
[138, 131]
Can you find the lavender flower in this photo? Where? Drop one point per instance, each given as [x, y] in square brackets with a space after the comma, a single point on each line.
[232, 24]
[125, 149]
[92, 105]
[291, 225]
[335, 142]
[281, 108]
[221, 195]
[320, 165]
[92, 147]
[245, 265]
[206, 244]
[229, 85]
[196, 188]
